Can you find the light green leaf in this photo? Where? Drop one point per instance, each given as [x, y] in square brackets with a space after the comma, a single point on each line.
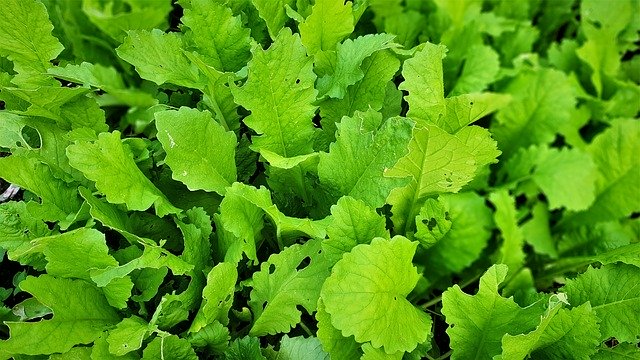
[562, 334]
[139, 15]
[460, 245]
[365, 295]
[347, 70]
[59, 199]
[163, 345]
[100, 351]
[279, 93]
[159, 57]
[25, 39]
[214, 337]
[79, 319]
[216, 34]
[437, 162]
[353, 223]
[364, 149]
[73, 254]
[199, 151]
[338, 346]
[273, 13]
[478, 322]
[618, 185]
[511, 251]
[542, 103]
[329, 23]
[614, 293]
[247, 348]
[128, 335]
[480, 69]
[217, 296]
[17, 228]
[621, 351]
[77, 353]
[298, 348]
[567, 176]
[110, 164]
[370, 92]
[288, 279]
[371, 353]
[537, 232]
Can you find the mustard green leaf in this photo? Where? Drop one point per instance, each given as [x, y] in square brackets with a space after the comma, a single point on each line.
[300, 347]
[329, 23]
[273, 13]
[217, 297]
[26, 40]
[614, 294]
[338, 346]
[364, 149]
[217, 35]
[128, 335]
[618, 182]
[511, 251]
[480, 69]
[100, 351]
[279, 93]
[477, 323]
[166, 345]
[463, 223]
[117, 21]
[353, 223]
[436, 162]
[17, 228]
[561, 334]
[621, 351]
[347, 70]
[366, 296]
[286, 280]
[370, 92]
[371, 353]
[59, 199]
[199, 151]
[109, 162]
[159, 57]
[542, 103]
[214, 337]
[246, 348]
[79, 319]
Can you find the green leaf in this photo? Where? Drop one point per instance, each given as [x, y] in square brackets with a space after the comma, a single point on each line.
[371, 353]
[214, 337]
[100, 351]
[618, 184]
[216, 34]
[537, 233]
[128, 335]
[353, 223]
[480, 69]
[511, 251]
[26, 39]
[468, 233]
[364, 149]
[159, 57]
[217, 297]
[246, 348]
[139, 15]
[542, 103]
[614, 295]
[478, 322]
[365, 295]
[59, 199]
[199, 151]
[437, 162]
[347, 70]
[301, 348]
[110, 164]
[17, 228]
[273, 13]
[620, 351]
[279, 93]
[329, 23]
[288, 279]
[567, 176]
[561, 334]
[73, 254]
[338, 346]
[163, 345]
[79, 319]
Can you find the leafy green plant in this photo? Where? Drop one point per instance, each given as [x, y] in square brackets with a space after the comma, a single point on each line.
[279, 179]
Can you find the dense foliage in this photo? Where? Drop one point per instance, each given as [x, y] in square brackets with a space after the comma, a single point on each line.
[300, 179]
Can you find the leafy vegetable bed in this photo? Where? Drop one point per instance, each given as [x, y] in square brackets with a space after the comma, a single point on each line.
[280, 179]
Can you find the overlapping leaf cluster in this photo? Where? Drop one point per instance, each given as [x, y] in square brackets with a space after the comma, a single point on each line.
[279, 179]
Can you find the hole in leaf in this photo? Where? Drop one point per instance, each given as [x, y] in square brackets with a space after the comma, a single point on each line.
[304, 263]
[32, 137]
[272, 269]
